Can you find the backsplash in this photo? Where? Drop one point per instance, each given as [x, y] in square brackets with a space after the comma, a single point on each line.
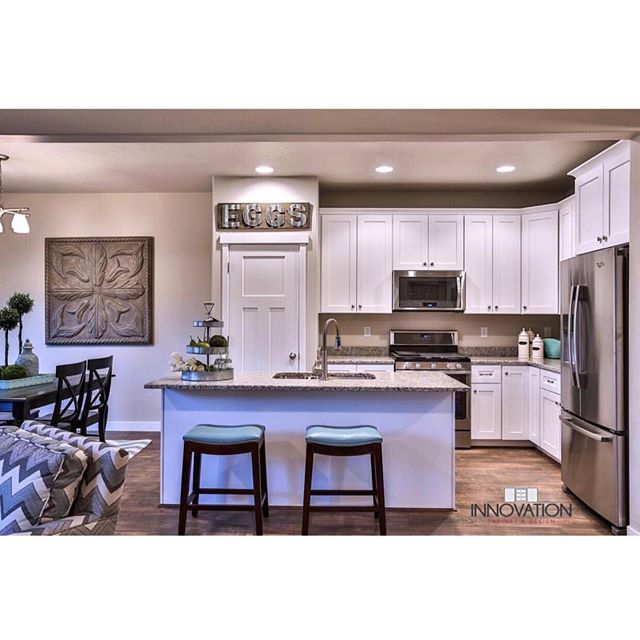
[502, 329]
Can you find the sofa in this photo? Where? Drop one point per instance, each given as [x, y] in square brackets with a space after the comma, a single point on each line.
[55, 482]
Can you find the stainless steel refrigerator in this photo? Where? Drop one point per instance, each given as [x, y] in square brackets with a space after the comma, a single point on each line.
[594, 293]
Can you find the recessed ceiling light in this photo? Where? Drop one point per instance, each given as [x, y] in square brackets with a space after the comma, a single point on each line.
[384, 168]
[505, 168]
[264, 169]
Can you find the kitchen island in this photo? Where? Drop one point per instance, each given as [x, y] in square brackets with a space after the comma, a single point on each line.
[414, 412]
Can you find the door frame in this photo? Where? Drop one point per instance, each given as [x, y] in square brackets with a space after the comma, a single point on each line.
[291, 238]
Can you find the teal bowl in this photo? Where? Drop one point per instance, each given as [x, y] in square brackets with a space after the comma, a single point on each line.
[552, 348]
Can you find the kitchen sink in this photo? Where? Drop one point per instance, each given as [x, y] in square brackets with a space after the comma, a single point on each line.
[308, 375]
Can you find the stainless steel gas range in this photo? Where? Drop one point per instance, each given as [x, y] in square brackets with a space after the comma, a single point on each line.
[437, 351]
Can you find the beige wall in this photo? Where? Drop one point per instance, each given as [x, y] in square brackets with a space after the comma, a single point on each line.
[503, 330]
[180, 224]
[433, 198]
[275, 190]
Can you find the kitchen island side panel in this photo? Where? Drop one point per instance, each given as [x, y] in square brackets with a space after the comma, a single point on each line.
[418, 447]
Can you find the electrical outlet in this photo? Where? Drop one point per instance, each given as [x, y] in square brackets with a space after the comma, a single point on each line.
[547, 332]
[484, 332]
[367, 332]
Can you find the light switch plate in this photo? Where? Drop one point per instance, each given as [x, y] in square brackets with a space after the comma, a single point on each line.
[484, 332]
[367, 332]
[547, 332]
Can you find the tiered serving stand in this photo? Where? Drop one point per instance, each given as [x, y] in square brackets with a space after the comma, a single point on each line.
[210, 326]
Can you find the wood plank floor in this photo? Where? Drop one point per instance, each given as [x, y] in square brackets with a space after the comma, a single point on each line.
[481, 475]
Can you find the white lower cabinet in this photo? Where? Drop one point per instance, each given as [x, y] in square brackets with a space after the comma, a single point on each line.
[486, 411]
[534, 405]
[550, 425]
[515, 403]
[360, 368]
[342, 368]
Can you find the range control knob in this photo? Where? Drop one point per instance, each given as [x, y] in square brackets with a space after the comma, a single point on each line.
[458, 366]
[433, 365]
[450, 365]
[418, 365]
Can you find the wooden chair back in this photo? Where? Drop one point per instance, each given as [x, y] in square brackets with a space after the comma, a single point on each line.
[71, 382]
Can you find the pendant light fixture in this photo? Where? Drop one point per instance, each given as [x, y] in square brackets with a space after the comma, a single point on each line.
[20, 215]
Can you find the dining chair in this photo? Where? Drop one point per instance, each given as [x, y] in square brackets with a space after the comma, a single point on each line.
[95, 408]
[70, 393]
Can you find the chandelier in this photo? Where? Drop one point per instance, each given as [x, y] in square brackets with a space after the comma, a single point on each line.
[20, 215]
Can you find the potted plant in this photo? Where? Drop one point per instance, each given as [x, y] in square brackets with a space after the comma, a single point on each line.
[9, 320]
[22, 303]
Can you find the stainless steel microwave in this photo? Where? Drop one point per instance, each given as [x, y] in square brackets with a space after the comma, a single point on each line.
[428, 290]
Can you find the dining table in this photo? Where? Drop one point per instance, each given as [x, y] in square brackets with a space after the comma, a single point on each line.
[23, 401]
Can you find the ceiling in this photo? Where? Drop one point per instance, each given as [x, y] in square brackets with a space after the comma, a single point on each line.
[137, 151]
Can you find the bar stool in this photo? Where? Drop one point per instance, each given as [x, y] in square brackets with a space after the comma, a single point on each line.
[344, 441]
[223, 440]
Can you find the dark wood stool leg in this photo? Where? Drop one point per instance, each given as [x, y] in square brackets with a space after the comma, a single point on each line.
[102, 423]
[374, 484]
[265, 490]
[380, 481]
[184, 488]
[197, 464]
[306, 499]
[257, 487]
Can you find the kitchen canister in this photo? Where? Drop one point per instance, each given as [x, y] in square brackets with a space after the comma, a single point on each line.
[523, 345]
[28, 360]
[531, 335]
[537, 348]
[552, 348]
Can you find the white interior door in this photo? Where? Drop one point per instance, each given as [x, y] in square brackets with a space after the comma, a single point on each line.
[264, 291]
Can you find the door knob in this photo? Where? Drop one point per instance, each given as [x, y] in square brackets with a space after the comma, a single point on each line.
[293, 355]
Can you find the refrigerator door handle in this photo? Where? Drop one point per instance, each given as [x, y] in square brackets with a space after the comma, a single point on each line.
[585, 432]
[574, 337]
[570, 338]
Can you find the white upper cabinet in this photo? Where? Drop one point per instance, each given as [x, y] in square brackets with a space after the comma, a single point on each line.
[506, 264]
[446, 242]
[356, 263]
[410, 242]
[617, 193]
[567, 247]
[602, 199]
[339, 260]
[540, 262]
[478, 258]
[374, 264]
[515, 403]
[422, 241]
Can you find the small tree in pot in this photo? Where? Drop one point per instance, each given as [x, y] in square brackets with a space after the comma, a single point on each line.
[22, 303]
[9, 320]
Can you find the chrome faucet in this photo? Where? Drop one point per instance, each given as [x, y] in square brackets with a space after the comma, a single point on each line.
[323, 351]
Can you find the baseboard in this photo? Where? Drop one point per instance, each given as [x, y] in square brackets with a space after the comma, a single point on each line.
[502, 443]
[632, 532]
[122, 425]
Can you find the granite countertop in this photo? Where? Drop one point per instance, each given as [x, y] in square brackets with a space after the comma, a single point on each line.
[355, 359]
[547, 364]
[263, 381]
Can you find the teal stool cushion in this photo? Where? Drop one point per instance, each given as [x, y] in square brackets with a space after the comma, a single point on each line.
[224, 434]
[343, 436]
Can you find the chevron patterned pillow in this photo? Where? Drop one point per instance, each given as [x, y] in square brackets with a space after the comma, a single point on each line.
[102, 484]
[39, 479]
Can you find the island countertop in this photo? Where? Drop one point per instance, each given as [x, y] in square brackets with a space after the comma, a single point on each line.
[264, 381]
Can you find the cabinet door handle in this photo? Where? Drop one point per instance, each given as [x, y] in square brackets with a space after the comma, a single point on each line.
[488, 307]
[604, 238]
[475, 391]
[359, 306]
[353, 306]
[496, 307]
[431, 264]
[506, 373]
[424, 264]
[599, 238]
[524, 307]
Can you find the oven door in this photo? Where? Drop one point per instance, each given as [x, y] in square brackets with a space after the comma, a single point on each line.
[463, 411]
[428, 290]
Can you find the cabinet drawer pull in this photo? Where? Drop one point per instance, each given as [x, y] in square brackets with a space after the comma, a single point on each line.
[486, 373]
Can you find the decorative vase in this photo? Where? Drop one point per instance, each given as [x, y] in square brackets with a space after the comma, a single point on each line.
[28, 360]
